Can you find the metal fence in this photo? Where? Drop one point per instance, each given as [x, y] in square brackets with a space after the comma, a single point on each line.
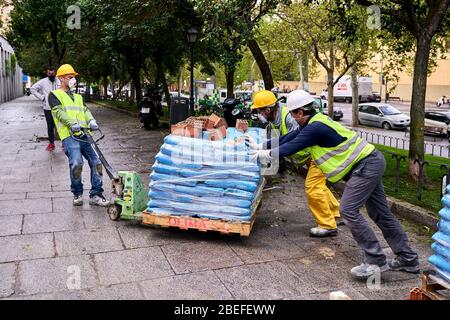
[431, 148]
[10, 73]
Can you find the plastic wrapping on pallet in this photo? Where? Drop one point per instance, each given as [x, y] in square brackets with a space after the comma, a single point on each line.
[441, 259]
[205, 178]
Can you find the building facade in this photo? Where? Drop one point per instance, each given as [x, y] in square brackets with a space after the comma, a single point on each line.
[11, 85]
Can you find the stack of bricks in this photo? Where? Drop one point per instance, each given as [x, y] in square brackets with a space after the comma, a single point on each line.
[241, 125]
[216, 128]
[193, 127]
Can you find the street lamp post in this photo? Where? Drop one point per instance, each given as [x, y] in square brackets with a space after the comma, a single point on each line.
[192, 38]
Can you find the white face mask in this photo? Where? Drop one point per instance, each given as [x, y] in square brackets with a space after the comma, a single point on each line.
[72, 83]
[261, 118]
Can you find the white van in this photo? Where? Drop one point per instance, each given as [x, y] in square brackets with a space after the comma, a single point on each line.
[343, 89]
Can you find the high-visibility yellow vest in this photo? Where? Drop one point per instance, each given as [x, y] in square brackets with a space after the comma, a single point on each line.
[73, 108]
[336, 162]
[300, 157]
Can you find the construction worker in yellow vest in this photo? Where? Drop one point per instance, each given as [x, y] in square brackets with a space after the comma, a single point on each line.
[70, 116]
[321, 201]
[342, 155]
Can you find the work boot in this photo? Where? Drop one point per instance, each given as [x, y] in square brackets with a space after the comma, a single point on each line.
[78, 200]
[50, 147]
[340, 222]
[366, 270]
[99, 200]
[322, 233]
[396, 265]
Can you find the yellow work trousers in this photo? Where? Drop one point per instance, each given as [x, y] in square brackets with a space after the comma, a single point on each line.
[321, 201]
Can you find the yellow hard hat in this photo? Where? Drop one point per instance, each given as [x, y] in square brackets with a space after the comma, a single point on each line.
[263, 99]
[65, 69]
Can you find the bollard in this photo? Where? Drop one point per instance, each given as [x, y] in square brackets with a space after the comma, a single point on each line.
[398, 158]
[422, 165]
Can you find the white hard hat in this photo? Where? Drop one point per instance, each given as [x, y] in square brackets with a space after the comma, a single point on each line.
[297, 99]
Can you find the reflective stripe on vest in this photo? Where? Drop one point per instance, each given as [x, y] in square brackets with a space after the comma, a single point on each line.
[336, 162]
[73, 108]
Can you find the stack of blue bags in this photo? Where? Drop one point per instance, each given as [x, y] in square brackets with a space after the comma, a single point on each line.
[441, 247]
[207, 179]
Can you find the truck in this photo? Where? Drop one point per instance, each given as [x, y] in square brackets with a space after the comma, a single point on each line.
[343, 89]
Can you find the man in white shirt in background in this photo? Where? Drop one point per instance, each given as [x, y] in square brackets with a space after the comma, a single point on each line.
[40, 90]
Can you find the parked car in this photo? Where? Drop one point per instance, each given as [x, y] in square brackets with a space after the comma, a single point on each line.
[374, 97]
[438, 116]
[322, 105]
[436, 128]
[382, 115]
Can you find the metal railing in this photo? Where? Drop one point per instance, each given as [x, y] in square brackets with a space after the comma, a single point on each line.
[403, 143]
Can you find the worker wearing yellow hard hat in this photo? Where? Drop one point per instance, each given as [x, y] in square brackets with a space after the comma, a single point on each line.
[72, 118]
[321, 201]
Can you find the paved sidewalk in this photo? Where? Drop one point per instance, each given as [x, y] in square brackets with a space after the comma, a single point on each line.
[45, 242]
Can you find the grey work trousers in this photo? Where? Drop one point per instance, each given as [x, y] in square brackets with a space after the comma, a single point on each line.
[365, 187]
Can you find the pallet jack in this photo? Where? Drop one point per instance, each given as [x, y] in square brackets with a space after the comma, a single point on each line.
[130, 197]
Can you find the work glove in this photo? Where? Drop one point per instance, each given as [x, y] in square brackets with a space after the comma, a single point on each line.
[251, 143]
[263, 156]
[93, 125]
[75, 128]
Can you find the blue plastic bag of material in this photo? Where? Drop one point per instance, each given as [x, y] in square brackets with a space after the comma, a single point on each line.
[444, 275]
[444, 226]
[233, 202]
[173, 179]
[198, 208]
[209, 215]
[235, 184]
[441, 250]
[442, 239]
[440, 262]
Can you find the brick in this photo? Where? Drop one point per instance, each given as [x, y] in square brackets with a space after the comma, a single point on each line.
[241, 125]
[217, 134]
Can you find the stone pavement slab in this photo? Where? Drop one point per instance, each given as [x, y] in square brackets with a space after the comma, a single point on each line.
[10, 225]
[24, 247]
[271, 280]
[193, 286]
[25, 206]
[58, 274]
[51, 222]
[200, 256]
[7, 279]
[78, 242]
[132, 265]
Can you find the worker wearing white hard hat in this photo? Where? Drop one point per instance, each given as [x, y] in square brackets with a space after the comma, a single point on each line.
[343, 156]
[321, 201]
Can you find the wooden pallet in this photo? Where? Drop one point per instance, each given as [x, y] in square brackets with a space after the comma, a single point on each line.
[433, 288]
[242, 228]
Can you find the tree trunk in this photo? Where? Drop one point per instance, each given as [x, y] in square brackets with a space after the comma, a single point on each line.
[230, 83]
[330, 93]
[162, 79]
[105, 87]
[135, 76]
[416, 142]
[355, 97]
[262, 64]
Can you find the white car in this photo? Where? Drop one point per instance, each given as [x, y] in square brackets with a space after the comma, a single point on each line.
[382, 115]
